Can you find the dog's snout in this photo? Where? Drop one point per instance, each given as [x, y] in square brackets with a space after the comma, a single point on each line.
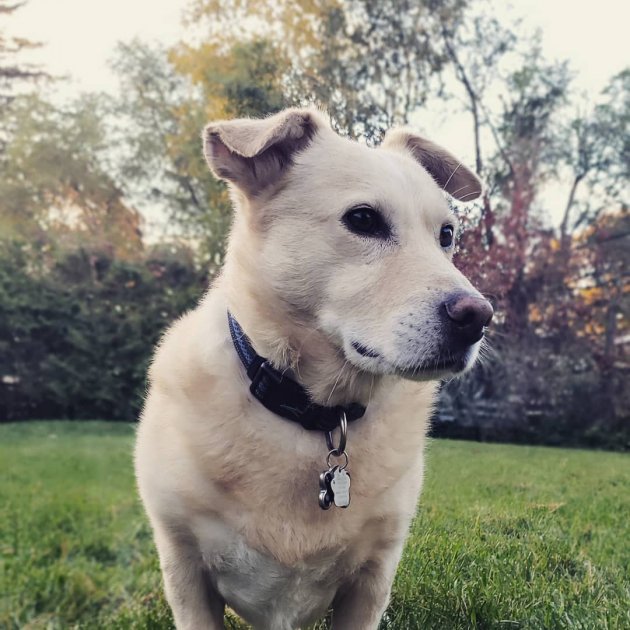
[468, 315]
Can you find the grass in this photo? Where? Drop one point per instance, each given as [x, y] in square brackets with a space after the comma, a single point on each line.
[506, 537]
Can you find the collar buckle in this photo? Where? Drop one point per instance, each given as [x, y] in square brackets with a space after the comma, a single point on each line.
[264, 376]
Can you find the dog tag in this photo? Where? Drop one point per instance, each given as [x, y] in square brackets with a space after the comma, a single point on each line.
[340, 486]
[325, 492]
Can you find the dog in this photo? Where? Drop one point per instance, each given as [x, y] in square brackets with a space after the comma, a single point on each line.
[336, 313]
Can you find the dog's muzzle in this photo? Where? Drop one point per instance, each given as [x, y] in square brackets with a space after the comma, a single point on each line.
[449, 345]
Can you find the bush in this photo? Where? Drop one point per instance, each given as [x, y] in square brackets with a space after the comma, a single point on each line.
[76, 335]
[538, 392]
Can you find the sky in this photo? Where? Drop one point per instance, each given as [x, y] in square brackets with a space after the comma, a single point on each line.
[81, 34]
[80, 37]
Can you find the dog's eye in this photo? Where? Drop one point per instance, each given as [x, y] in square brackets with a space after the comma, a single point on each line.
[446, 236]
[366, 221]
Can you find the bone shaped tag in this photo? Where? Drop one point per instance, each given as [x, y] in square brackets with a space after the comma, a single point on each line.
[325, 492]
[340, 486]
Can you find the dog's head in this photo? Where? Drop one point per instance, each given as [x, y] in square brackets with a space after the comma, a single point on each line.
[356, 242]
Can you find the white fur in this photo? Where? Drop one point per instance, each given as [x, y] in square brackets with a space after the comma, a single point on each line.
[231, 489]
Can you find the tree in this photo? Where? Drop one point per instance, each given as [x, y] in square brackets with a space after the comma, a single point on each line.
[507, 229]
[475, 46]
[597, 153]
[373, 64]
[160, 116]
[370, 64]
[243, 80]
[11, 71]
[54, 182]
[580, 275]
[516, 143]
[377, 61]
[597, 279]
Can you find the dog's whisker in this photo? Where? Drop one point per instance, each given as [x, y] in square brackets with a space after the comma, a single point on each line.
[451, 176]
[473, 194]
[298, 351]
[332, 391]
[371, 388]
[461, 188]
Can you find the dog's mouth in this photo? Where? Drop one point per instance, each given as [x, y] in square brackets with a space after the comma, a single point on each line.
[434, 369]
[364, 351]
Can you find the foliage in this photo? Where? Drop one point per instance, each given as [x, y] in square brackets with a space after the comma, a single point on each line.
[529, 536]
[245, 80]
[159, 119]
[370, 64]
[376, 62]
[596, 152]
[13, 72]
[96, 179]
[539, 390]
[558, 367]
[559, 360]
[77, 331]
[507, 227]
[54, 178]
[167, 97]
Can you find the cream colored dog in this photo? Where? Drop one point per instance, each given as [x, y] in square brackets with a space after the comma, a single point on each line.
[339, 271]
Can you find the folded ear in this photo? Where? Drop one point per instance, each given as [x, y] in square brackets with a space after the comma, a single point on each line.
[449, 173]
[253, 154]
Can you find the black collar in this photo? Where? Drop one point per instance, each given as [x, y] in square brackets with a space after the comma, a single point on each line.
[282, 395]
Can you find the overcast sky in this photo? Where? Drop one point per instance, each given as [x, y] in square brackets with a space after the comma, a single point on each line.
[80, 35]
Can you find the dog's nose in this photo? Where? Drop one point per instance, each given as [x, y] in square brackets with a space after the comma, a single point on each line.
[468, 315]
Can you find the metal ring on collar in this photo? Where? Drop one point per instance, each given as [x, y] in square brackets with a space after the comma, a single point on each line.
[335, 453]
[343, 428]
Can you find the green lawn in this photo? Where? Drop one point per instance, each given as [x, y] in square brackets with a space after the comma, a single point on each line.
[506, 536]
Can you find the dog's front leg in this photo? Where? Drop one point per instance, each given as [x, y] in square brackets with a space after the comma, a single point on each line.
[195, 603]
[360, 603]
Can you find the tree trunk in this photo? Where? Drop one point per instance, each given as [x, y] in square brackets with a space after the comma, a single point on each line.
[564, 226]
[475, 113]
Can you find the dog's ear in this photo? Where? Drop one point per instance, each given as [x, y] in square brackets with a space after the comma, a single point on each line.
[253, 154]
[449, 173]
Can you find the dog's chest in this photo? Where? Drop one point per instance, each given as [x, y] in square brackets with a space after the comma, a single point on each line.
[262, 590]
[281, 568]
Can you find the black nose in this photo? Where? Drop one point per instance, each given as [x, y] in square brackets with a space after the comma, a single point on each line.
[468, 315]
